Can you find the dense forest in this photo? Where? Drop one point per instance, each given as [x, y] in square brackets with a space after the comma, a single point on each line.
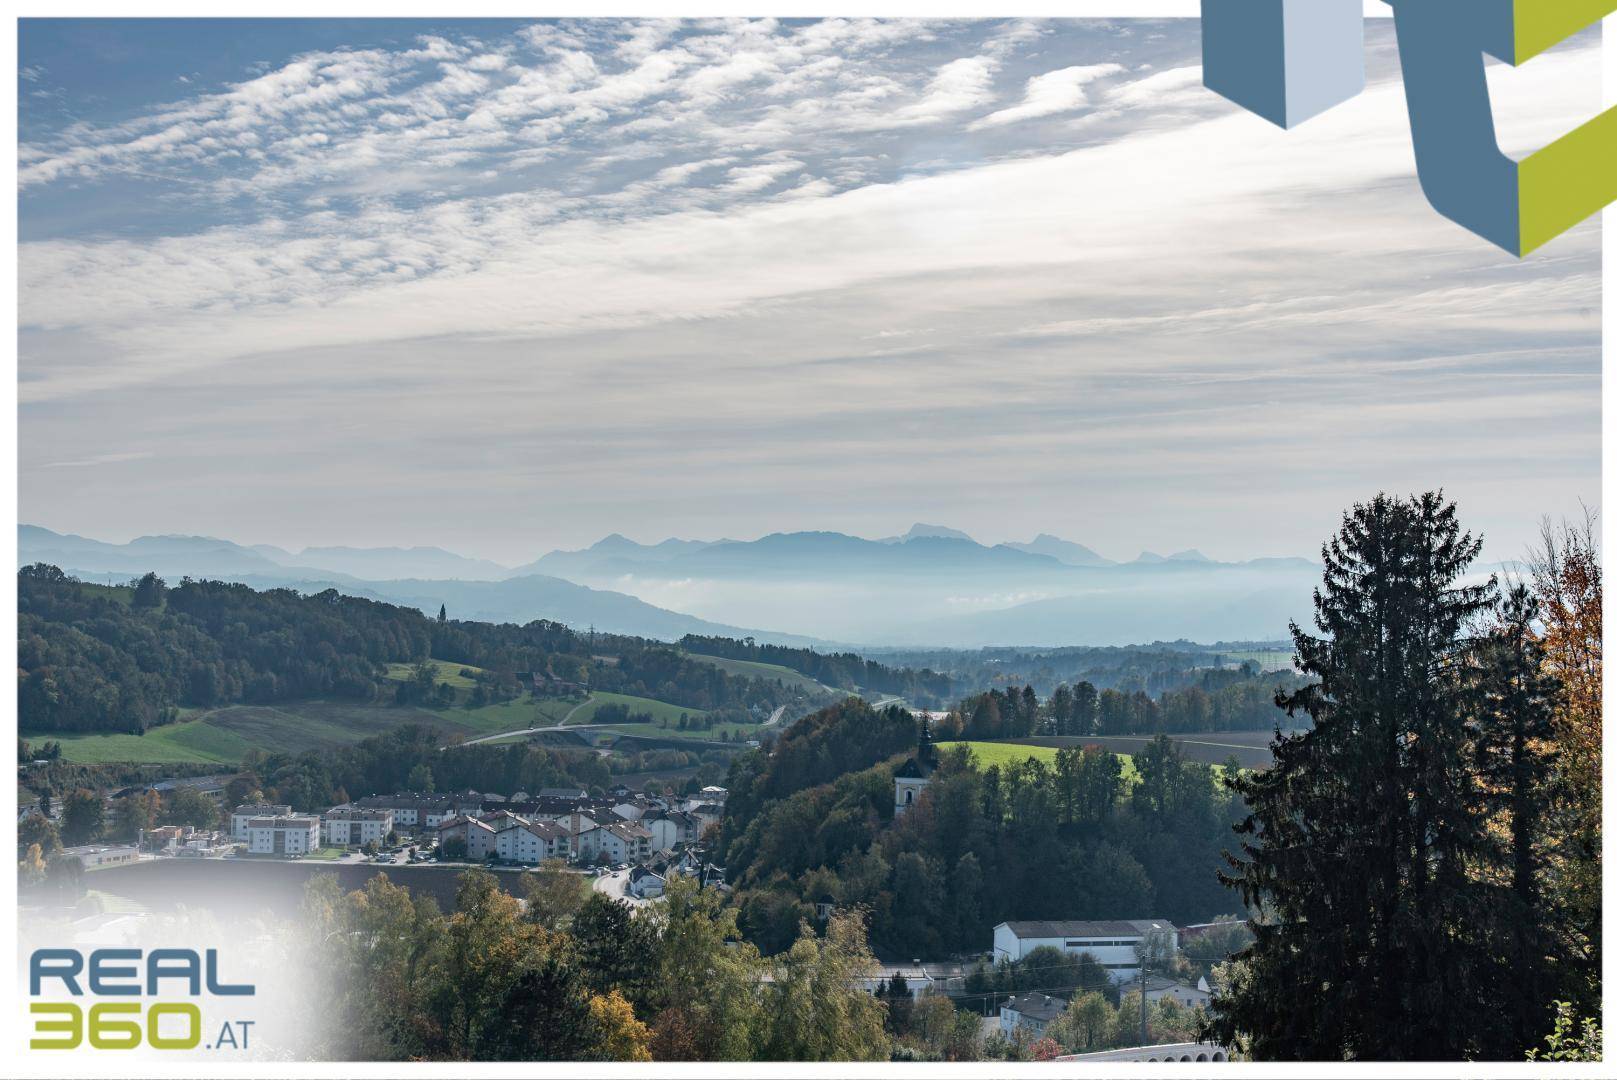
[981, 846]
[98, 659]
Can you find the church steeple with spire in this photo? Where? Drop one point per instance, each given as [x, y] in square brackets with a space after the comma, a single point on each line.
[913, 776]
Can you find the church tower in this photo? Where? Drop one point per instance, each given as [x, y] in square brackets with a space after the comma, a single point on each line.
[913, 776]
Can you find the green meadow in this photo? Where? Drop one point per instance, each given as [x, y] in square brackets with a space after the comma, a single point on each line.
[754, 669]
[984, 754]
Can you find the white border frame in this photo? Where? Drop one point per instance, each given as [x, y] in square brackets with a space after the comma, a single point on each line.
[11, 1026]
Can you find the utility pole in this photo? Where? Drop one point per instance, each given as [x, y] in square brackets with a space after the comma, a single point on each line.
[1146, 950]
[1142, 1002]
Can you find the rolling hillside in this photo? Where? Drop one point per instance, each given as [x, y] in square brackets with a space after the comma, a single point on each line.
[756, 670]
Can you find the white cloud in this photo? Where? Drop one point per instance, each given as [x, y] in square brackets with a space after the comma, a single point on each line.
[1164, 89]
[1050, 93]
[723, 270]
[959, 85]
[509, 265]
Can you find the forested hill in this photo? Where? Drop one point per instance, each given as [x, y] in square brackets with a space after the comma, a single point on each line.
[121, 659]
[1076, 838]
[843, 671]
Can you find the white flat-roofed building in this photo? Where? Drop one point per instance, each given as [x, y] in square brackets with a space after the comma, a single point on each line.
[95, 856]
[351, 826]
[240, 816]
[283, 834]
[1112, 942]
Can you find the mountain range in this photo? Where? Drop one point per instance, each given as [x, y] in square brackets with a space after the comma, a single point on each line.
[929, 586]
[518, 598]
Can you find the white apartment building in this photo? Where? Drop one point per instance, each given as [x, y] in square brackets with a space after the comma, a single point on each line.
[416, 809]
[618, 843]
[240, 816]
[669, 829]
[352, 826]
[283, 834]
[533, 842]
[478, 836]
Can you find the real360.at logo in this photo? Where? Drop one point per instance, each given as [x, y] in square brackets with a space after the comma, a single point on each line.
[171, 983]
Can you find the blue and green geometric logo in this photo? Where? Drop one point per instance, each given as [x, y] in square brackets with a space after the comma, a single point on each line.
[1289, 60]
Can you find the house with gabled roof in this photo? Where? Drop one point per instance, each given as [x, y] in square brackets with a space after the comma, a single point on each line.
[645, 883]
[1030, 1013]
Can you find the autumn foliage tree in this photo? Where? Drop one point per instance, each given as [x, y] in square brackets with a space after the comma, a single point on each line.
[1567, 583]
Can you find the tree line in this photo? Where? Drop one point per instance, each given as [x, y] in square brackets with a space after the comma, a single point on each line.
[1241, 699]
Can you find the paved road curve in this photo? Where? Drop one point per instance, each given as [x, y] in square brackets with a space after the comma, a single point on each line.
[616, 886]
[531, 731]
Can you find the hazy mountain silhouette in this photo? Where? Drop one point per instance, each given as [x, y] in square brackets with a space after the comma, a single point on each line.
[395, 562]
[918, 530]
[1062, 550]
[517, 599]
[933, 586]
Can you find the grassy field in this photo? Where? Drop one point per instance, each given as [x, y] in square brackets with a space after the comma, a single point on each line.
[754, 669]
[984, 754]
[506, 716]
[183, 742]
[1250, 749]
[658, 709]
[447, 673]
[224, 736]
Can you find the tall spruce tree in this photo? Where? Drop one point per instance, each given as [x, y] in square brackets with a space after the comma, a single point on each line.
[1361, 837]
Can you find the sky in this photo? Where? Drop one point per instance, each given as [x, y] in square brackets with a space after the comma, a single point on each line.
[505, 287]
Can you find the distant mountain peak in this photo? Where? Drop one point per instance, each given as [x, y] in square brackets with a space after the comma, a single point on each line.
[1062, 551]
[1149, 557]
[922, 531]
[1188, 555]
